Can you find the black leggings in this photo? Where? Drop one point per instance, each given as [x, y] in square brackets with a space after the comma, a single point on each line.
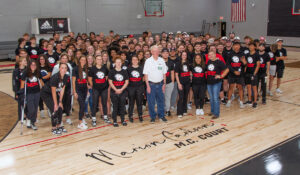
[95, 95]
[199, 94]
[41, 104]
[82, 93]
[67, 101]
[136, 93]
[119, 102]
[261, 79]
[182, 101]
[57, 116]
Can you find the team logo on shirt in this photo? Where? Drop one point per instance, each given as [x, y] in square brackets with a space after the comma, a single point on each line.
[280, 54]
[250, 60]
[198, 69]
[119, 77]
[44, 73]
[60, 86]
[271, 54]
[135, 74]
[33, 52]
[51, 60]
[33, 79]
[83, 75]
[184, 68]
[211, 67]
[100, 75]
[124, 67]
[235, 59]
[261, 60]
[246, 51]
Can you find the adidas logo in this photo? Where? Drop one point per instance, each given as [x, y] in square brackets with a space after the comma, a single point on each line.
[46, 25]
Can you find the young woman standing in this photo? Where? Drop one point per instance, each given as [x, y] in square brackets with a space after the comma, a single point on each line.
[273, 50]
[182, 74]
[118, 81]
[89, 101]
[31, 79]
[80, 89]
[136, 88]
[97, 78]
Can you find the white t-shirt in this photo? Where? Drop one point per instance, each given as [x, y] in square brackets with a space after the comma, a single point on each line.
[155, 69]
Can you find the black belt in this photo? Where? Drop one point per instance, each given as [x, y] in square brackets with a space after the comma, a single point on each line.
[155, 83]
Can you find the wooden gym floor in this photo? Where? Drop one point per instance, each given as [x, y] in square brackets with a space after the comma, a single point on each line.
[191, 145]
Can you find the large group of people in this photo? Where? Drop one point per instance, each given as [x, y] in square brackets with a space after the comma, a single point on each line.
[166, 72]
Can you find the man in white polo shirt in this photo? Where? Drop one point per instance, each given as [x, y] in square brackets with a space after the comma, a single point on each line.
[155, 70]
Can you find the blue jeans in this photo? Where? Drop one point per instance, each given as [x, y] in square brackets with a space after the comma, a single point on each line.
[214, 92]
[156, 96]
[89, 101]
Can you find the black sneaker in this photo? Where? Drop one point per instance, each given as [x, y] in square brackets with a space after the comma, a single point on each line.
[224, 101]
[254, 105]
[124, 123]
[163, 119]
[33, 126]
[94, 123]
[249, 103]
[264, 102]
[116, 125]
[152, 120]
[62, 129]
[87, 115]
[215, 117]
[131, 119]
[54, 131]
[206, 100]
[169, 113]
[107, 121]
[141, 119]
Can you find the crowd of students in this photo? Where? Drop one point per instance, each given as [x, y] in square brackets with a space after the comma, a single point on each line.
[105, 74]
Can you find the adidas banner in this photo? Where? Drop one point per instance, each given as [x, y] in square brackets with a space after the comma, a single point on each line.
[51, 25]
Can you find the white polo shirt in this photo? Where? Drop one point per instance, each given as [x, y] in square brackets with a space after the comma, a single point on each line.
[155, 69]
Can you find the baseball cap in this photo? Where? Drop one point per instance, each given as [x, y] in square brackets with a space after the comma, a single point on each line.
[170, 33]
[224, 38]
[178, 32]
[234, 43]
[237, 38]
[262, 38]
[278, 39]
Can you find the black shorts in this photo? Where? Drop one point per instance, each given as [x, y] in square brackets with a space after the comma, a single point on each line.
[235, 80]
[279, 72]
[249, 80]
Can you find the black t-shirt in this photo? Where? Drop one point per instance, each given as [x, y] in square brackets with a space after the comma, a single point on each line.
[264, 59]
[272, 58]
[42, 51]
[52, 59]
[32, 85]
[17, 51]
[198, 74]
[234, 63]
[99, 77]
[279, 53]
[226, 53]
[44, 72]
[135, 76]
[33, 52]
[118, 77]
[183, 71]
[80, 83]
[245, 50]
[125, 65]
[56, 81]
[170, 66]
[251, 62]
[214, 68]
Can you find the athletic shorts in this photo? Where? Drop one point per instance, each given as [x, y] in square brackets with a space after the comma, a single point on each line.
[235, 80]
[273, 70]
[279, 73]
[249, 80]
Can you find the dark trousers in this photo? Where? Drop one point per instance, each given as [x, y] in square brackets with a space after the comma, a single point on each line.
[182, 101]
[119, 102]
[67, 101]
[136, 94]
[41, 104]
[199, 94]
[82, 93]
[261, 79]
[56, 116]
[95, 95]
[32, 100]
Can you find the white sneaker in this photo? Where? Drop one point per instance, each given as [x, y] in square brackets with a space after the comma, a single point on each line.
[185, 114]
[228, 104]
[189, 106]
[83, 121]
[242, 105]
[179, 116]
[42, 113]
[82, 126]
[69, 121]
[197, 111]
[201, 112]
[28, 123]
[278, 91]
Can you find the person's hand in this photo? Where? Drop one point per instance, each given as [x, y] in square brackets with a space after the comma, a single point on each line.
[17, 96]
[55, 107]
[218, 77]
[61, 105]
[76, 95]
[164, 88]
[148, 89]
[118, 91]
[237, 73]
[179, 86]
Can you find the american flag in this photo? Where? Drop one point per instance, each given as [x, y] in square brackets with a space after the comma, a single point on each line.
[238, 10]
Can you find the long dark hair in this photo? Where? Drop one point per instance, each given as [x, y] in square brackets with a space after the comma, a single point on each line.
[186, 61]
[202, 64]
[37, 72]
[47, 65]
[84, 68]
